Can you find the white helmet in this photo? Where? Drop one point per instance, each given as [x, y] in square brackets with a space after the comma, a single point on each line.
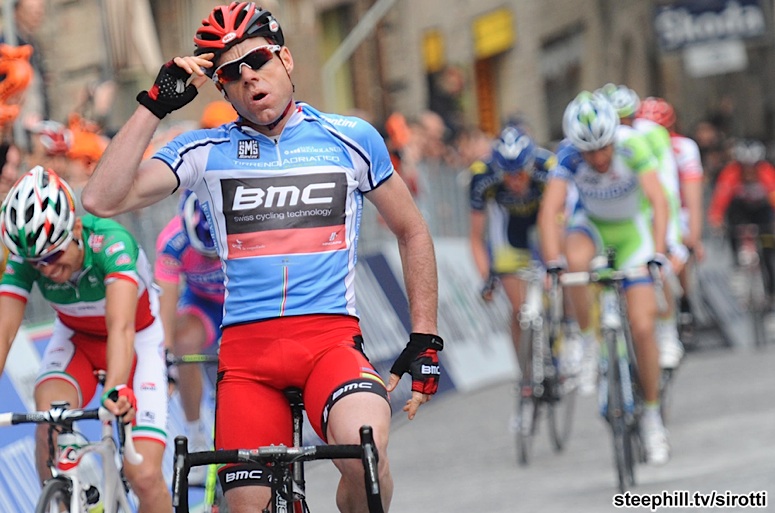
[625, 100]
[590, 122]
[749, 151]
[38, 215]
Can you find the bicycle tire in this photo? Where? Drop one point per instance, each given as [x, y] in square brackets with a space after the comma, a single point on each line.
[55, 492]
[560, 417]
[757, 304]
[620, 432]
[560, 412]
[527, 409]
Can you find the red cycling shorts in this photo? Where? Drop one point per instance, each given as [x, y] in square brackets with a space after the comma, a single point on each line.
[319, 354]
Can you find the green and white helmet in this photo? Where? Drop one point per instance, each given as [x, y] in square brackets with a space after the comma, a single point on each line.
[590, 122]
[38, 215]
[625, 100]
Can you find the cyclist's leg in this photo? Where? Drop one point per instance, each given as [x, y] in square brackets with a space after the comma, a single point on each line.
[65, 375]
[149, 383]
[255, 365]
[506, 262]
[197, 327]
[582, 243]
[642, 316]
[343, 393]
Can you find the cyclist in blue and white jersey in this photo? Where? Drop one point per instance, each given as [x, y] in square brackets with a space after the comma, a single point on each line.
[621, 205]
[282, 189]
[627, 102]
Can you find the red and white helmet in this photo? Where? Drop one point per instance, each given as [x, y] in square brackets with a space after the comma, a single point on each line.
[38, 215]
[230, 24]
[657, 110]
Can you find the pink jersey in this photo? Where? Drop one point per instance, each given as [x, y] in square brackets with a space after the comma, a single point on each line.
[175, 258]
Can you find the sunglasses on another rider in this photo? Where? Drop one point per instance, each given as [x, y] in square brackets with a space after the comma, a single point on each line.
[254, 59]
[49, 259]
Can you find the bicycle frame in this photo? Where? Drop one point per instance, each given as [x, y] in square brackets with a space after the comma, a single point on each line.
[114, 490]
[619, 398]
[69, 453]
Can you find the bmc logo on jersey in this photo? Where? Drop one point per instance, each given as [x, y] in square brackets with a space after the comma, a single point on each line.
[276, 203]
[247, 149]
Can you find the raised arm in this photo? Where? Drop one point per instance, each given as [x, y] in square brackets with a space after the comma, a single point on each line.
[121, 182]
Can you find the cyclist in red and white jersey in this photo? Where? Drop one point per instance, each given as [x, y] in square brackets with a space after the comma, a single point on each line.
[99, 283]
[690, 175]
[282, 189]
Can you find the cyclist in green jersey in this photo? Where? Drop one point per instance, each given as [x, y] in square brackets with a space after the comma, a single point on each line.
[621, 205]
[99, 283]
[626, 101]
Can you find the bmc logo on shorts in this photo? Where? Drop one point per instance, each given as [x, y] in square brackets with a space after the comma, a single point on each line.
[244, 475]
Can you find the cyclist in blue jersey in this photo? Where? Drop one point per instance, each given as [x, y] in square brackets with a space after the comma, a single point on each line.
[282, 188]
[505, 194]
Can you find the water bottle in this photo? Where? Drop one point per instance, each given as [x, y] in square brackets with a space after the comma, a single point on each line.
[93, 502]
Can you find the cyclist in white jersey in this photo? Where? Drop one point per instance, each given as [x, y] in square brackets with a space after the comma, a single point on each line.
[690, 174]
[621, 205]
[282, 189]
[626, 101]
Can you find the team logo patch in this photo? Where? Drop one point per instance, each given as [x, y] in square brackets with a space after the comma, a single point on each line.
[247, 149]
[114, 248]
[95, 242]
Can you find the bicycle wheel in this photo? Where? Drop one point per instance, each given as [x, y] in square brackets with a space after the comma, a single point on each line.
[757, 304]
[526, 429]
[616, 416]
[55, 496]
[560, 412]
[560, 415]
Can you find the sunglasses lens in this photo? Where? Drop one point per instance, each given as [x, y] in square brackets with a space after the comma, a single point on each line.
[49, 259]
[255, 60]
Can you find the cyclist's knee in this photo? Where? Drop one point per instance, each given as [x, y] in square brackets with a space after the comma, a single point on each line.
[144, 477]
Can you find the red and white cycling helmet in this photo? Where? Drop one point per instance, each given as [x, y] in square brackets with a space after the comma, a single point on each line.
[230, 24]
[38, 215]
[657, 110]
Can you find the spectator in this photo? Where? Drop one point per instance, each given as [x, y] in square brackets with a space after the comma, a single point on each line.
[216, 114]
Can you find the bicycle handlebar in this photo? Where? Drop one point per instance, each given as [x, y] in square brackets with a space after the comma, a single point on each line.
[60, 416]
[366, 452]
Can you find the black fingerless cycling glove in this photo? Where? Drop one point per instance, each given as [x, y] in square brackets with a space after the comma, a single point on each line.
[169, 91]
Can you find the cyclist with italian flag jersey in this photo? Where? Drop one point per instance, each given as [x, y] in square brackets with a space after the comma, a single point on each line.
[621, 205]
[99, 283]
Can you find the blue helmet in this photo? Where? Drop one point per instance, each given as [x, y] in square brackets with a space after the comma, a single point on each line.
[196, 226]
[514, 150]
